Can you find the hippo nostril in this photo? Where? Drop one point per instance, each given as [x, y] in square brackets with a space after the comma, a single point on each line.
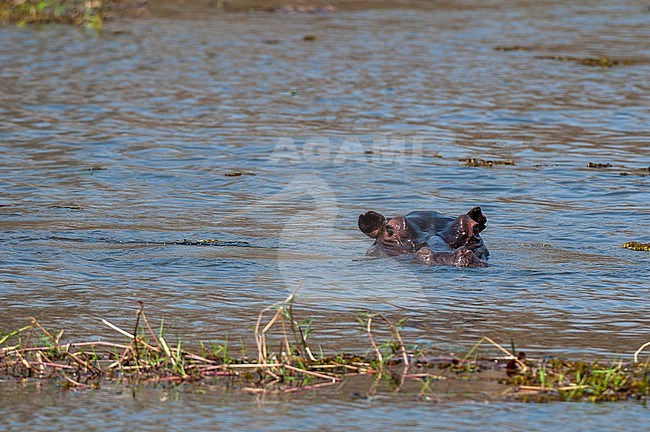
[389, 231]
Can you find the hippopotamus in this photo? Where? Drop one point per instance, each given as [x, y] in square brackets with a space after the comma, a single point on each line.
[435, 239]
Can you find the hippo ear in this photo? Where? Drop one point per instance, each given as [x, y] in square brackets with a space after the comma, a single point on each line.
[370, 223]
[477, 215]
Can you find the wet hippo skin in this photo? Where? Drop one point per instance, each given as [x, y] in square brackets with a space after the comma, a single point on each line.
[434, 238]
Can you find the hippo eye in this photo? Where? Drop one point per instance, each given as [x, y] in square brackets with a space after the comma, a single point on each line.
[389, 231]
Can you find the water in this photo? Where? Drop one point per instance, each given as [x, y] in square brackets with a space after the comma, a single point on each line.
[376, 113]
[113, 410]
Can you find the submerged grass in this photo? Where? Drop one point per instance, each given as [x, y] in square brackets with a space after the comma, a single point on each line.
[285, 363]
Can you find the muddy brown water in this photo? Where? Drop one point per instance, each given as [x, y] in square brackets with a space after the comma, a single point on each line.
[375, 113]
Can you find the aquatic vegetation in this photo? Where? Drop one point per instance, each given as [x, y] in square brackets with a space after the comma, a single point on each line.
[641, 172]
[206, 242]
[66, 206]
[513, 48]
[486, 163]
[296, 9]
[598, 165]
[558, 380]
[148, 356]
[636, 246]
[604, 62]
[238, 173]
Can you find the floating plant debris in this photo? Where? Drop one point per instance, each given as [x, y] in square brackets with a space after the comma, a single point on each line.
[513, 48]
[66, 206]
[536, 245]
[210, 242]
[599, 165]
[237, 173]
[486, 163]
[604, 62]
[299, 9]
[636, 246]
[641, 172]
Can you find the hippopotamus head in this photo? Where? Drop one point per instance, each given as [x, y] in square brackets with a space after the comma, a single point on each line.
[446, 240]
[392, 236]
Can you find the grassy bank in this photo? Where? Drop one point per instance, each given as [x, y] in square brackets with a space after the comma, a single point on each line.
[88, 13]
[77, 12]
[283, 362]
